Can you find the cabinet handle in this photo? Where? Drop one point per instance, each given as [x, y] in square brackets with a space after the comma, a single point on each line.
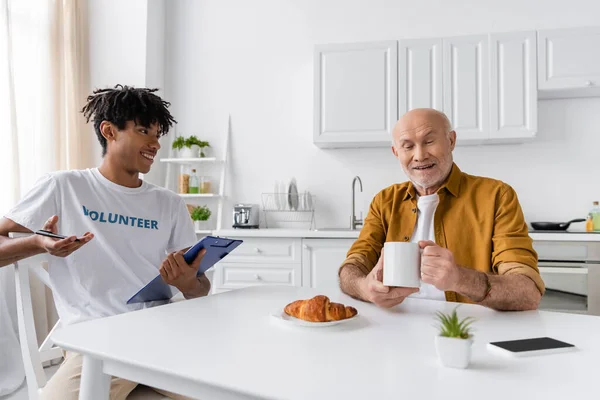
[305, 246]
[589, 83]
[257, 277]
[256, 250]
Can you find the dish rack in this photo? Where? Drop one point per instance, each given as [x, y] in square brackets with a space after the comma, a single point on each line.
[285, 210]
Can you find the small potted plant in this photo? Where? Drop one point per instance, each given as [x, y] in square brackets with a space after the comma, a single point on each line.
[453, 344]
[183, 149]
[200, 216]
[194, 141]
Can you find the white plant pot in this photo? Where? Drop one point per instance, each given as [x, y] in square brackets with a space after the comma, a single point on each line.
[202, 225]
[187, 152]
[452, 352]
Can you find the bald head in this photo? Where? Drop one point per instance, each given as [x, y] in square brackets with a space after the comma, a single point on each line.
[422, 118]
[423, 141]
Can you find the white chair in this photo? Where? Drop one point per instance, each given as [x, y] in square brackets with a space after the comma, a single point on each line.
[34, 356]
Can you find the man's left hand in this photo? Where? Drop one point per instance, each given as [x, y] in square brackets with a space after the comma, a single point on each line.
[438, 267]
[176, 272]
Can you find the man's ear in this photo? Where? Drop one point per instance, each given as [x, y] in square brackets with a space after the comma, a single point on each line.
[108, 130]
[452, 137]
[394, 151]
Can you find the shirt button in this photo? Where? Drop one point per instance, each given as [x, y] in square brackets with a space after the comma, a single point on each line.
[406, 238]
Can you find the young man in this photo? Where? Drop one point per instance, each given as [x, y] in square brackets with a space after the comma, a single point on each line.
[133, 229]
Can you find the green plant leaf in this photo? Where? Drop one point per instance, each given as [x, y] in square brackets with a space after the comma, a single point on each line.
[201, 213]
[452, 326]
[178, 143]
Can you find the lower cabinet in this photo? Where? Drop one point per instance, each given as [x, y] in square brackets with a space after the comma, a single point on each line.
[321, 260]
[317, 267]
[238, 275]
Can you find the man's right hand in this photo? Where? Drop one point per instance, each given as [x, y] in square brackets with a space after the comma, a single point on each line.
[60, 247]
[376, 292]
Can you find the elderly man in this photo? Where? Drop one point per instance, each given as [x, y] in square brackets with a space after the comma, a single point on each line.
[472, 231]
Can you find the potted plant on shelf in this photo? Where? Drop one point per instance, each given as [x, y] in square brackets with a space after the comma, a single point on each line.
[453, 344]
[194, 141]
[183, 149]
[200, 216]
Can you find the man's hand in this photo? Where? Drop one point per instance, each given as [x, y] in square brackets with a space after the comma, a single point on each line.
[376, 292]
[60, 247]
[176, 272]
[438, 267]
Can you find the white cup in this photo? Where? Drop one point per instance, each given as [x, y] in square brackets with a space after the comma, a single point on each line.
[402, 264]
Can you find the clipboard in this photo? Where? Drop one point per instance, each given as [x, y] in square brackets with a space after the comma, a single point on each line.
[217, 248]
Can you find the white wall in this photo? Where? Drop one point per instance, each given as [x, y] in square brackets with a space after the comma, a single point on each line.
[117, 46]
[126, 46]
[155, 70]
[253, 60]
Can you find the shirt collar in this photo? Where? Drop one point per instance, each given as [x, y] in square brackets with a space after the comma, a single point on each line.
[452, 184]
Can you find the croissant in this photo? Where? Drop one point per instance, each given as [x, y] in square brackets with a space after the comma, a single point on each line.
[319, 309]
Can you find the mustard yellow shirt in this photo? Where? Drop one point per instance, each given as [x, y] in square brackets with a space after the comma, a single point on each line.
[479, 219]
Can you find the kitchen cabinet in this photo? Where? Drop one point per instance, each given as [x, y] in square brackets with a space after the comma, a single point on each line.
[513, 86]
[486, 84]
[230, 276]
[466, 86]
[321, 260]
[420, 83]
[569, 62]
[355, 94]
[273, 250]
[260, 261]
[282, 261]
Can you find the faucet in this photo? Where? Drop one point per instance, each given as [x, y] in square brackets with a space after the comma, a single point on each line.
[354, 222]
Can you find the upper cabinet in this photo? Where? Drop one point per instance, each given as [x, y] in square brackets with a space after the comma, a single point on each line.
[569, 62]
[488, 85]
[355, 94]
[420, 74]
[466, 86]
[513, 86]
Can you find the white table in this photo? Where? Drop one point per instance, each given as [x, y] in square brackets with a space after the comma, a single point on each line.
[227, 347]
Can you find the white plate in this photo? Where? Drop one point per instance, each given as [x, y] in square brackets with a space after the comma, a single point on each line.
[282, 195]
[281, 316]
[293, 195]
[309, 203]
[276, 195]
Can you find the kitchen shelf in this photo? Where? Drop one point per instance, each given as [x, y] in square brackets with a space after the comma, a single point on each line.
[176, 165]
[197, 160]
[198, 195]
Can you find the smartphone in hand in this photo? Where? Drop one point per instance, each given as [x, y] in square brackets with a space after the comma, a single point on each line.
[52, 235]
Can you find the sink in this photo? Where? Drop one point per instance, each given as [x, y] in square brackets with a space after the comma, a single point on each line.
[337, 229]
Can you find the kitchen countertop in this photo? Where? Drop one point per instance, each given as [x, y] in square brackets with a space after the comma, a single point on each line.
[568, 236]
[288, 233]
[565, 236]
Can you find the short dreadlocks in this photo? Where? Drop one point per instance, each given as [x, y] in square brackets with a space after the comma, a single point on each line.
[125, 103]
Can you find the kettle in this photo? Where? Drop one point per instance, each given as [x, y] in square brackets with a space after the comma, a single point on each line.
[245, 216]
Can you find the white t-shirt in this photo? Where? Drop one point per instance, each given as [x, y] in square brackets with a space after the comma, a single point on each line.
[133, 229]
[424, 230]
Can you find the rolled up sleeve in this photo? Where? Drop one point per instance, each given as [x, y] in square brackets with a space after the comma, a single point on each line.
[513, 251]
[511, 268]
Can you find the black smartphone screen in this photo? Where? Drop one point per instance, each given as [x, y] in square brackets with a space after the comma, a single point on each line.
[533, 344]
